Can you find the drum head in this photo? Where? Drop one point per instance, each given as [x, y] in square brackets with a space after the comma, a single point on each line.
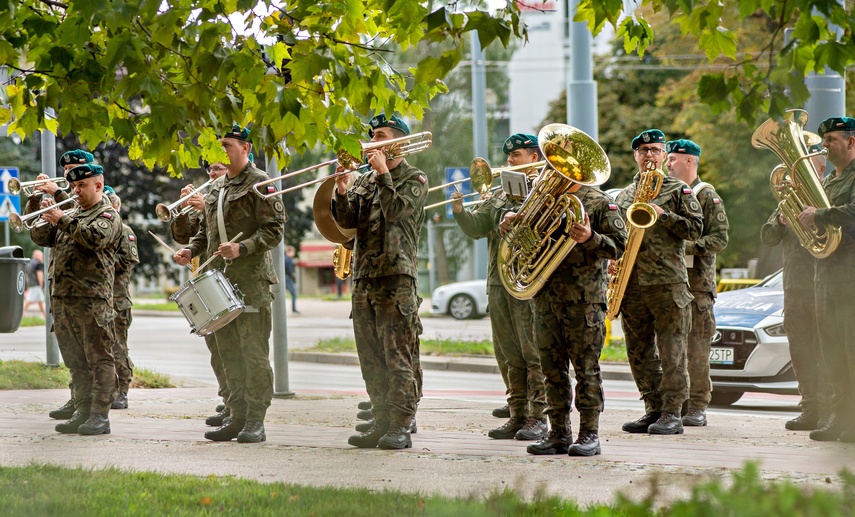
[323, 216]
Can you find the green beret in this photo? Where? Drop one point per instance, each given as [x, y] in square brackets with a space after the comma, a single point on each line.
[836, 124]
[651, 136]
[394, 122]
[81, 172]
[76, 157]
[238, 133]
[519, 141]
[683, 146]
[109, 190]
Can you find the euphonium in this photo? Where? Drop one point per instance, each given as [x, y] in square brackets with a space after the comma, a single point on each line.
[639, 216]
[539, 238]
[795, 183]
[342, 262]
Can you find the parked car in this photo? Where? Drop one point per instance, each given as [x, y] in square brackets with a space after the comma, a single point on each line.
[462, 300]
[750, 351]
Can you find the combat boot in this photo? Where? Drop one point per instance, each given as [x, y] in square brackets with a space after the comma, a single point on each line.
[70, 427]
[253, 432]
[363, 427]
[63, 412]
[370, 438]
[641, 425]
[806, 421]
[668, 423]
[95, 424]
[509, 429]
[586, 444]
[502, 412]
[556, 442]
[534, 429]
[218, 420]
[227, 432]
[365, 404]
[831, 431]
[413, 427]
[121, 402]
[695, 418]
[397, 437]
[220, 408]
[365, 414]
[847, 437]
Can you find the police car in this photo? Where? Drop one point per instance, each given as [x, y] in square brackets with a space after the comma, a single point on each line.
[749, 351]
[462, 300]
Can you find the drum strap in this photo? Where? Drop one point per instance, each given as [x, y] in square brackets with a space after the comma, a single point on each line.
[221, 222]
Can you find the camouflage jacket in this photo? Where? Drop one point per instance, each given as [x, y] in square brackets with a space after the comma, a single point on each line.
[126, 258]
[484, 222]
[713, 239]
[799, 264]
[387, 212]
[83, 261]
[661, 256]
[262, 223]
[581, 278]
[840, 189]
[184, 227]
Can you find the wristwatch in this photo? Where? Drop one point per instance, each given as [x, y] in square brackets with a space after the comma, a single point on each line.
[663, 216]
[242, 248]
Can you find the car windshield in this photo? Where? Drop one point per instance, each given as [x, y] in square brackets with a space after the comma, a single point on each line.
[773, 280]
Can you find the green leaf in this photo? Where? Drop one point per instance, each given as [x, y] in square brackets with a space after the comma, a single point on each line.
[718, 42]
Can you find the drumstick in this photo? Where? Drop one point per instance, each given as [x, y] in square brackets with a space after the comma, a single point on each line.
[158, 239]
[217, 254]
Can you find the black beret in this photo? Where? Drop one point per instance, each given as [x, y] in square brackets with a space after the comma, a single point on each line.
[394, 122]
[238, 133]
[683, 146]
[81, 172]
[519, 141]
[651, 136]
[76, 157]
[836, 124]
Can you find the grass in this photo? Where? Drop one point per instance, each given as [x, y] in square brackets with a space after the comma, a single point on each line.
[170, 306]
[32, 321]
[29, 375]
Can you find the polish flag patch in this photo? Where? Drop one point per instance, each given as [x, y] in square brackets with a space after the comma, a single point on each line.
[108, 215]
[716, 200]
[687, 191]
[422, 178]
[612, 206]
[131, 238]
[271, 189]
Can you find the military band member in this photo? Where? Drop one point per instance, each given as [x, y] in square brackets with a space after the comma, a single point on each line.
[82, 271]
[386, 207]
[232, 208]
[835, 279]
[655, 314]
[510, 319]
[683, 158]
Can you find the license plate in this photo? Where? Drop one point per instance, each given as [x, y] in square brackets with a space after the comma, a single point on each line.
[721, 356]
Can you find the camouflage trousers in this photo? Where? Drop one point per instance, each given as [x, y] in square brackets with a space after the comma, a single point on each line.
[703, 329]
[217, 366]
[244, 346]
[124, 365]
[387, 326]
[511, 321]
[571, 334]
[837, 340]
[805, 352]
[84, 332]
[656, 320]
[500, 361]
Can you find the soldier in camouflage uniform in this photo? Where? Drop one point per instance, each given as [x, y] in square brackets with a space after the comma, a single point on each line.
[511, 319]
[126, 258]
[800, 318]
[569, 326]
[656, 317]
[244, 343]
[835, 279]
[183, 228]
[683, 158]
[82, 271]
[386, 207]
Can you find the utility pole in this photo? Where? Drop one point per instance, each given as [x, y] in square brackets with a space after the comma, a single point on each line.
[581, 88]
[48, 145]
[278, 310]
[479, 135]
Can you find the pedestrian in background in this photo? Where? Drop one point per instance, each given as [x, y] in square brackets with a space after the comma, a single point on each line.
[36, 282]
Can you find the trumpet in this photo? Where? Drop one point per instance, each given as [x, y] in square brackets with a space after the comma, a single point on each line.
[29, 187]
[395, 148]
[19, 223]
[167, 212]
[481, 177]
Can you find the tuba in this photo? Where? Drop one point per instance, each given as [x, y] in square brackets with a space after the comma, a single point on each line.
[795, 183]
[539, 238]
[639, 216]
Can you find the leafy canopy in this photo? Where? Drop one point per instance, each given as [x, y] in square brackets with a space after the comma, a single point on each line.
[163, 77]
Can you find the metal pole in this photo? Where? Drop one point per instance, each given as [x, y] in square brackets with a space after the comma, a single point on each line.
[279, 312]
[827, 90]
[48, 143]
[431, 227]
[479, 135]
[581, 89]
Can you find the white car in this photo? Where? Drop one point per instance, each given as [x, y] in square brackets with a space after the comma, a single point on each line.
[462, 300]
[750, 351]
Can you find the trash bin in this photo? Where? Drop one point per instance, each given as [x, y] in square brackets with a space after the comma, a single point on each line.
[12, 282]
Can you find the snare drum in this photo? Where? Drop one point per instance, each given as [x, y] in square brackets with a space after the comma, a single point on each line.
[209, 302]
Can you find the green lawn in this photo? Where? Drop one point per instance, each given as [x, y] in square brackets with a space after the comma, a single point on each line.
[29, 375]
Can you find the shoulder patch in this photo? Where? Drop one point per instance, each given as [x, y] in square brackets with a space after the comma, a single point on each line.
[271, 188]
[278, 206]
[716, 200]
[720, 217]
[612, 206]
[619, 224]
[103, 224]
[108, 215]
[422, 178]
[416, 191]
[687, 190]
[694, 206]
[131, 238]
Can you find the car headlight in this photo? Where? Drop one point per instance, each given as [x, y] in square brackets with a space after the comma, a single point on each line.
[776, 330]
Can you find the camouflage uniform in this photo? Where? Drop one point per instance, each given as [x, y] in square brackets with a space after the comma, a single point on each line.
[835, 290]
[126, 258]
[183, 228]
[800, 316]
[387, 212]
[81, 271]
[702, 285]
[655, 313]
[510, 319]
[569, 316]
[244, 344]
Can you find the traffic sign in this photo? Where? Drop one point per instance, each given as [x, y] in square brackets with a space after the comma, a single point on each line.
[456, 174]
[8, 202]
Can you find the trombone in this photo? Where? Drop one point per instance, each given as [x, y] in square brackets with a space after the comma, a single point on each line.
[29, 187]
[167, 212]
[18, 223]
[395, 148]
[481, 176]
